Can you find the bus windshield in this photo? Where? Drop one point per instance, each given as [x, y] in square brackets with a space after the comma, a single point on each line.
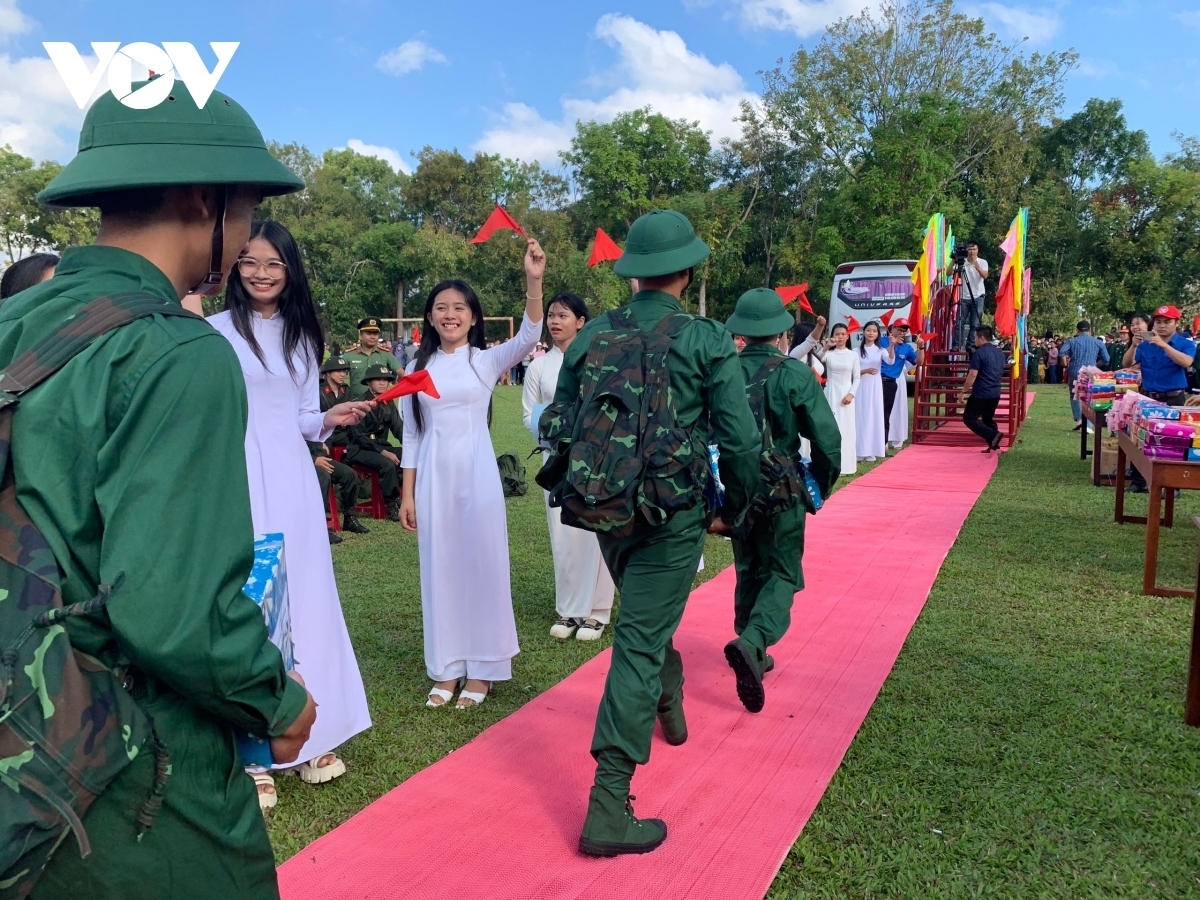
[875, 293]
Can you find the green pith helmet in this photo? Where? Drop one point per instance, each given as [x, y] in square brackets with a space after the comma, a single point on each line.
[335, 364]
[760, 313]
[662, 242]
[173, 143]
[378, 371]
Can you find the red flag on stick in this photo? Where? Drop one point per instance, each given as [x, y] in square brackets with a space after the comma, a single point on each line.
[417, 382]
[852, 325]
[886, 318]
[497, 221]
[603, 249]
[790, 292]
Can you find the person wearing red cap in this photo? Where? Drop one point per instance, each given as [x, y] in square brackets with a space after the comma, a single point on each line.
[1164, 356]
[900, 354]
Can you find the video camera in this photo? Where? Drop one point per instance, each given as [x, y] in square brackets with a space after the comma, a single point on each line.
[960, 255]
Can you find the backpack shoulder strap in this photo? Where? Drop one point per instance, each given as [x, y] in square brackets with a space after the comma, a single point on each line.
[621, 319]
[77, 333]
[674, 323]
[756, 393]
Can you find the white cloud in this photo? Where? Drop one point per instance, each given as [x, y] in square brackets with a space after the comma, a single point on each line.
[801, 17]
[1097, 68]
[654, 68]
[1192, 18]
[387, 154]
[1019, 22]
[12, 20]
[409, 57]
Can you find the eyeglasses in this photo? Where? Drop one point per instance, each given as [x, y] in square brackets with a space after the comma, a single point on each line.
[248, 265]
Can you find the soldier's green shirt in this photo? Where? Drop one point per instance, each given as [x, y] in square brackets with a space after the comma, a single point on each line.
[796, 407]
[359, 361]
[131, 460]
[372, 432]
[706, 383]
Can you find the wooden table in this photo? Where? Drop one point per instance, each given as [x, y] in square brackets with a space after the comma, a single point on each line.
[1161, 476]
[1099, 421]
[1192, 706]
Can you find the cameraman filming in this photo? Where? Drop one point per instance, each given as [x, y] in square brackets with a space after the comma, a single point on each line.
[970, 299]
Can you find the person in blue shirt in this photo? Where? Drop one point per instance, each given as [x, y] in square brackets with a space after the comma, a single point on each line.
[899, 351]
[1081, 350]
[1164, 357]
[981, 391]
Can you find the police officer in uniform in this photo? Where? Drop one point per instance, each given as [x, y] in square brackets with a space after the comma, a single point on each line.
[654, 567]
[329, 470]
[369, 445]
[369, 351]
[133, 463]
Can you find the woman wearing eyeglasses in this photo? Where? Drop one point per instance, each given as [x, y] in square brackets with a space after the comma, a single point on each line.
[271, 321]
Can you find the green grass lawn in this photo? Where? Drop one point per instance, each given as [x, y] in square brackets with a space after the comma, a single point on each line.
[1028, 743]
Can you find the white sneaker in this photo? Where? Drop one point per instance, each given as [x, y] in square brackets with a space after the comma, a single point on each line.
[563, 628]
[870, 459]
[589, 630]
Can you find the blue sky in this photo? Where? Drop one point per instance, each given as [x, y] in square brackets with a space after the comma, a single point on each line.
[513, 77]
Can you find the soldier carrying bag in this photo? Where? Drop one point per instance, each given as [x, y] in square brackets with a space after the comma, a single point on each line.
[68, 724]
[618, 450]
[780, 484]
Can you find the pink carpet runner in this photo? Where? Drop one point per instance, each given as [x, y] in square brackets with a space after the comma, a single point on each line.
[501, 816]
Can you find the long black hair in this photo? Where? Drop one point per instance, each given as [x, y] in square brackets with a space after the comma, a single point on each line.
[573, 302]
[862, 348]
[302, 333]
[800, 334]
[430, 341]
[25, 273]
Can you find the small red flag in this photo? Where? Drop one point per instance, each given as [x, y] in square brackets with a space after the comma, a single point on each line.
[886, 318]
[497, 221]
[928, 336]
[417, 382]
[852, 325]
[792, 292]
[603, 249]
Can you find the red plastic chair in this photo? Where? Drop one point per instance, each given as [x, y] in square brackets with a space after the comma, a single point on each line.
[334, 522]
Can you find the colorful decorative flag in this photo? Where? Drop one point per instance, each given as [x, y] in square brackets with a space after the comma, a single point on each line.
[497, 221]
[603, 249]
[418, 382]
[792, 292]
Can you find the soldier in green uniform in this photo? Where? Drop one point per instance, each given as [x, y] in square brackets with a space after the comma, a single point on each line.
[329, 470]
[369, 445]
[131, 461]
[655, 565]
[767, 550]
[369, 351]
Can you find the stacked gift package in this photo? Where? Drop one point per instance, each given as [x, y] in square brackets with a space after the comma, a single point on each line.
[1101, 389]
[267, 586]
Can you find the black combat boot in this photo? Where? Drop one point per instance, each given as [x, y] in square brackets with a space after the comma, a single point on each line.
[611, 828]
[351, 524]
[393, 511]
[334, 537]
[746, 668]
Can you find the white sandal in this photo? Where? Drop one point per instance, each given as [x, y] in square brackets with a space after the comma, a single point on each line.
[476, 700]
[444, 695]
[311, 773]
[266, 799]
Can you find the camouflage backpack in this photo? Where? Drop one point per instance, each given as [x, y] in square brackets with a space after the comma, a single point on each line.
[780, 484]
[68, 726]
[618, 450]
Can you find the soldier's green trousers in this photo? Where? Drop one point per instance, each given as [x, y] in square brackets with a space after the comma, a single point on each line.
[346, 480]
[767, 563]
[208, 839]
[654, 569]
[388, 471]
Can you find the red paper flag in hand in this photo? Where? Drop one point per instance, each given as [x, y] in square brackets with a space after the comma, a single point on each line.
[790, 292]
[603, 249]
[853, 326]
[886, 318]
[928, 336]
[417, 382]
[497, 221]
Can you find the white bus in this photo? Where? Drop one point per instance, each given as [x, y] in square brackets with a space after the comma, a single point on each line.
[868, 289]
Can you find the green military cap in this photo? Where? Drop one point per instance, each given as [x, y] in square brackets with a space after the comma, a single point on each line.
[335, 364]
[370, 323]
[661, 242]
[760, 313]
[173, 143]
[378, 371]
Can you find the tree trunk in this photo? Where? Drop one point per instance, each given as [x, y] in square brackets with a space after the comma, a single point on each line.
[400, 311]
[703, 307]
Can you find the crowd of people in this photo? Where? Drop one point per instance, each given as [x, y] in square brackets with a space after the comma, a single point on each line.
[176, 440]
